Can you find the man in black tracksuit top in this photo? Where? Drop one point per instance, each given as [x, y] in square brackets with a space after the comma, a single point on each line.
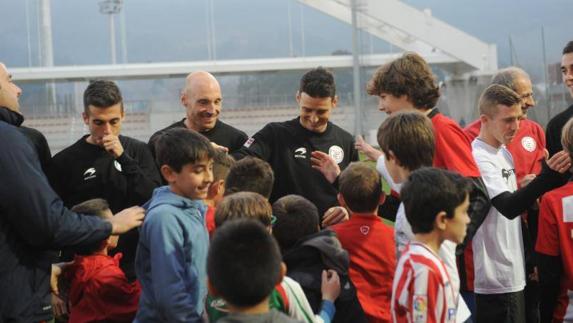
[297, 148]
[105, 164]
[33, 220]
[202, 100]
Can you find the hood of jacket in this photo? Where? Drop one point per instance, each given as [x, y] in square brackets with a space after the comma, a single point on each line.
[164, 196]
[326, 243]
[12, 117]
[84, 269]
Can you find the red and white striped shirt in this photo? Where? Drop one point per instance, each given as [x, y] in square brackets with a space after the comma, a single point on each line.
[422, 290]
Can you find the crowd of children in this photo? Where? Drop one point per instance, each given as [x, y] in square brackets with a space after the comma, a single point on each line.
[213, 248]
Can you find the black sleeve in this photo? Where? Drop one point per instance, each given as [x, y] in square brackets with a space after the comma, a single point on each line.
[260, 145]
[553, 137]
[31, 207]
[241, 138]
[140, 171]
[550, 269]
[478, 210]
[511, 205]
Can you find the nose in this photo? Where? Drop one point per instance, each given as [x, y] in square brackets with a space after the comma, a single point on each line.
[209, 178]
[18, 90]
[313, 118]
[380, 105]
[107, 128]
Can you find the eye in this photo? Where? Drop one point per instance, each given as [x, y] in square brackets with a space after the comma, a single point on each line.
[98, 122]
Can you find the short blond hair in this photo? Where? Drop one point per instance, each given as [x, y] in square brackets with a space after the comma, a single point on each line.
[495, 95]
[567, 137]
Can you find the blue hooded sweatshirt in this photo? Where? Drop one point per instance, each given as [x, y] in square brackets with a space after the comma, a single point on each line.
[171, 260]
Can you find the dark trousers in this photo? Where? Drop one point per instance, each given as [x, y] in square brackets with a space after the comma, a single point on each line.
[500, 308]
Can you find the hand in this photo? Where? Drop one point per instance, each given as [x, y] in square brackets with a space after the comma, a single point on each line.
[325, 164]
[56, 272]
[127, 219]
[534, 276]
[335, 215]
[560, 162]
[370, 152]
[112, 145]
[330, 287]
[526, 180]
[220, 148]
[59, 306]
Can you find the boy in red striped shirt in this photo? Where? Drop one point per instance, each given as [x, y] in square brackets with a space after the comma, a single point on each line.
[436, 203]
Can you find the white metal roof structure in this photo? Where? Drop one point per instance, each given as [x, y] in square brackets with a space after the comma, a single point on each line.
[414, 30]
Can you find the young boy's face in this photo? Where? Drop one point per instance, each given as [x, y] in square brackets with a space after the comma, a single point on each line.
[193, 180]
[457, 225]
[389, 103]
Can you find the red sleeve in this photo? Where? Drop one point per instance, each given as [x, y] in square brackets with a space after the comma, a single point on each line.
[472, 130]
[210, 221]
[548, 230]
[453, 150]
[426, 293]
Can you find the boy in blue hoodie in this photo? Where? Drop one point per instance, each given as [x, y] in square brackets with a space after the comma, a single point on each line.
[172, 251]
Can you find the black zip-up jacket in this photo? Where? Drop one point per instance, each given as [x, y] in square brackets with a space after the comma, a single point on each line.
[33, 223]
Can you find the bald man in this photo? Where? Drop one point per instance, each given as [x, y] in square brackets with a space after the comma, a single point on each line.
[202, 100]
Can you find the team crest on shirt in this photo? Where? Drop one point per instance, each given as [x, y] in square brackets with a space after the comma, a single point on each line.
[567, 203]
[249, 142]
[336, 153]
[117, 165]
[420, 308]
[528, 144]
[364, 229]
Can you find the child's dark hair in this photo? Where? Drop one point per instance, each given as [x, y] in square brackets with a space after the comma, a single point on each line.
[177, 147]
[429, 191]
[409, 135]
[222, 163]
[93, 207]
[244, 205]
[250, 174]
[318, 83]
[297, 218]
[244, 262]
[408, 75]
[102, 94]
[361, 187]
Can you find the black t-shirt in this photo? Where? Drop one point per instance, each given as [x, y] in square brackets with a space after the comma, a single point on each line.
[222, 134]
[84, 171]
[553, 130]
[287, 146]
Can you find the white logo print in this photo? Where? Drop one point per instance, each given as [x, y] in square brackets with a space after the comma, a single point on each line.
[364, 229]
[117, 165]
[528, 144]
[89, 173]
[300, 152]
[249, 142]
[336, 153]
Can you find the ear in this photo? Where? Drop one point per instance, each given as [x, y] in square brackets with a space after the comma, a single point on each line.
[483, 118]
[86, 118]
[282, 273]
[211, 288]
[334, 101]
[297, 96]
[167, 173]
[441, 221]
[215, 188]
[382, 198]
[183, 98]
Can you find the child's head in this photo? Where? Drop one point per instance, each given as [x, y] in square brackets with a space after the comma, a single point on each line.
[297, 218]
[437, 199]
[244, 205]
[185, 158]
[407, 140]
[404, 83]
[244, 263]
[360, 188]
[250, 174]
[222, 163]
[99, 208]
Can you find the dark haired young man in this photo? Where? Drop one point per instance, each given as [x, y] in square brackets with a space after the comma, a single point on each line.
[295, 147]
[553, 130]
[105, 164]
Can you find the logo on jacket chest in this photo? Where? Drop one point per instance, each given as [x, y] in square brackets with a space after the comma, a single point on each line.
[300, 153]
[528, 144]
[336, 153]
[89, 173]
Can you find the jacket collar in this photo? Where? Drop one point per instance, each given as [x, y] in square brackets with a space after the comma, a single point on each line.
[11, 117]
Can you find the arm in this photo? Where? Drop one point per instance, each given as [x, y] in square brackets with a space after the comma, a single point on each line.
[33, 209]
[479, 208]
[260, 145]
[168, 273]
